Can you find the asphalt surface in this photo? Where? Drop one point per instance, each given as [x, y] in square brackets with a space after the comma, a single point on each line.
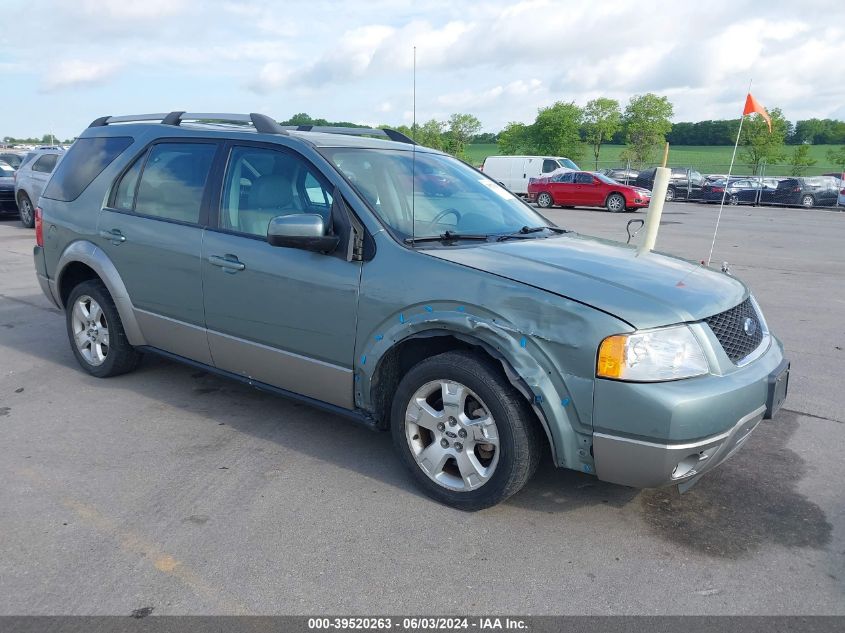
[173, 490]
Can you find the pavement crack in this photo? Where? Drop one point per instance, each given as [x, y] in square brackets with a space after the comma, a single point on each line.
[813, 415]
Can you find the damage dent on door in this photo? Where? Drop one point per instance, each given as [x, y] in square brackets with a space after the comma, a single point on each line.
[547, 351]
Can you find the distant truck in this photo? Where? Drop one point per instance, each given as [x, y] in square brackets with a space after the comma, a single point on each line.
[514, 172]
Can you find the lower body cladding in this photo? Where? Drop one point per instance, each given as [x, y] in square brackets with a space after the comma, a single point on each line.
[649, 435]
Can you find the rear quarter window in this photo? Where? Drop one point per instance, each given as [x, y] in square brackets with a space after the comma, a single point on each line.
[84, 161]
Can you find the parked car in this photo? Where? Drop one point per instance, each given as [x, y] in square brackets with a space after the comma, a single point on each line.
[7, 190]
[740, 191]
[12, 158]
[815, 191]
[30, 180]
[514, 172]
[684, 184]
[585, 189]
[622, 174]
[479, 334]
[841, 199]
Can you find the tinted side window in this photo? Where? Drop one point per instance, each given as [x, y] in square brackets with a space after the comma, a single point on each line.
[568, 177]
[173, 181]
[84, 161]
[583, 179]
[549, 165]
[261, 184]
[124, 193]
[46, 163]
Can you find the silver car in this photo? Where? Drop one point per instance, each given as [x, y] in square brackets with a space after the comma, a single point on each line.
[31, 178]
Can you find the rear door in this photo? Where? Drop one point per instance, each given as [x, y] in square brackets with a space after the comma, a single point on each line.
[562, 189]
[592, 192]
[152, 229]
[40, 174]
[282, 316]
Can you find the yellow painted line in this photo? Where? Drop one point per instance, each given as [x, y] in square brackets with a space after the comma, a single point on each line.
[135, 543]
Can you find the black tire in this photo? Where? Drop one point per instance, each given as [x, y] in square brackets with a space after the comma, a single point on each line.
[670, 194]
[520, 438]
[26, 211]
[121, 357]
[615, 203]
[808, 201]
[733, 200]
[544, 200]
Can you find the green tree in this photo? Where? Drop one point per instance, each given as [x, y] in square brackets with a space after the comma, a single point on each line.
[646, 126]
[602, 119]
[761, 145]
[801, 160]
[557, 131]
[430, 134]
[462, 128]
[516, 138]
[837, 157]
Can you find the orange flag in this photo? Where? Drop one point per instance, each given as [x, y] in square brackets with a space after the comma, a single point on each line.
[752, 106]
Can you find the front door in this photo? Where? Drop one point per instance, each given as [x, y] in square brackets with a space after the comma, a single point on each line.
[152, 230]
[281, 316]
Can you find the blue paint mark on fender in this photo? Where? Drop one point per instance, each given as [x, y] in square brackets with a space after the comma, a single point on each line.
[429, 309]
[379, 337]
[538, 399]
[461, 309]
[401, 318]
[565, 401]
[363, 359]
[523, 342]
[587, 468]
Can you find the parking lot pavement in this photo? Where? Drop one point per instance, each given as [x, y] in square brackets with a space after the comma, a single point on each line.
[175, 490]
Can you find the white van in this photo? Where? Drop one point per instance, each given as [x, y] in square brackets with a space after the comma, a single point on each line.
[514, 171]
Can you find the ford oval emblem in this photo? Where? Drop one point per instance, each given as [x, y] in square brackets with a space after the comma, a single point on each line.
[749, 326]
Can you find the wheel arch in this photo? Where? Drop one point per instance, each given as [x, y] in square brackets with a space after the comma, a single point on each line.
[83, 260]
[418, 346]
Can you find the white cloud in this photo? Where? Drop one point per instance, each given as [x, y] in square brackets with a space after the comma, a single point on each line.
[76, 72]
[500, 59]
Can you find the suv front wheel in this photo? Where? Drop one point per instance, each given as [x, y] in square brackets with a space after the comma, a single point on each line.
[96, 333]
[465, 433]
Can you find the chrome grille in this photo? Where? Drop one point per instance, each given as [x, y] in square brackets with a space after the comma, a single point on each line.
[739, 330]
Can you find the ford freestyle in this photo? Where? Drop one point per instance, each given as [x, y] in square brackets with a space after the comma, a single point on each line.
[323, 265]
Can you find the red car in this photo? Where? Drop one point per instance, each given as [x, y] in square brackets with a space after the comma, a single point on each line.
[585, 189]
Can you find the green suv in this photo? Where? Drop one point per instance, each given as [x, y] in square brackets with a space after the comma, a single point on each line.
[392, 284]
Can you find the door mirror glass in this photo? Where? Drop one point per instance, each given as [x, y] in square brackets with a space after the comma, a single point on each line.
[306, 231]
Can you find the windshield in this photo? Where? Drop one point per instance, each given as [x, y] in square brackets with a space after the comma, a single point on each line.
[565, 162]
[443, 195]
[13, 160]
[6, 171]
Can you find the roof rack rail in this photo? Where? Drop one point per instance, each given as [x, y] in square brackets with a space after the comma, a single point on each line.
[261, 122]
[393, 135]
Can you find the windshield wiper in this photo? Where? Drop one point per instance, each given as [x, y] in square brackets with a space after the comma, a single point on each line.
[523, 233]
[447, 236]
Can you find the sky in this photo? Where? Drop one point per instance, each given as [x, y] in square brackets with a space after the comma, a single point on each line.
[64, 63]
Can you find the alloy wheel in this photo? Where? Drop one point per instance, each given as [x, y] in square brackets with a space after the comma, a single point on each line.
[26, 211]
[452, 435]
[90, 330]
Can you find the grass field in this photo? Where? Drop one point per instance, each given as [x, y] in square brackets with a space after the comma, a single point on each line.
[706, 159]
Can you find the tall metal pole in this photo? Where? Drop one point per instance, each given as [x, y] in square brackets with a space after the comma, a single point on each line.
[728, 180]
[414, 97]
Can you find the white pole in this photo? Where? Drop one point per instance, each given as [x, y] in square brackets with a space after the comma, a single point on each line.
[728, 179]
[655, 208]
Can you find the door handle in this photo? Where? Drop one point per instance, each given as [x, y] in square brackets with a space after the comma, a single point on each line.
[115, 236]
[229, 263]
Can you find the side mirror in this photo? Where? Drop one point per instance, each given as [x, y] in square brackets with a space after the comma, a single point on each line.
[306, 231]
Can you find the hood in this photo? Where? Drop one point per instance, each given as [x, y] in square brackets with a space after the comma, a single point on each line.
[7, 182]
[646, 291]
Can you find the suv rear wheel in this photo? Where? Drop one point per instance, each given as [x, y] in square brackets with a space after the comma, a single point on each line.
[808, 201]
[96, 333]
[467, 436]
[670, 194]
[26, 211]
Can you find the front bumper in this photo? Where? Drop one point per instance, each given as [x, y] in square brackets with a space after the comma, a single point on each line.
[650, 435]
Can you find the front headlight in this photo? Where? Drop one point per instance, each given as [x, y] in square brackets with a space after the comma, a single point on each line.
[663, 354]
